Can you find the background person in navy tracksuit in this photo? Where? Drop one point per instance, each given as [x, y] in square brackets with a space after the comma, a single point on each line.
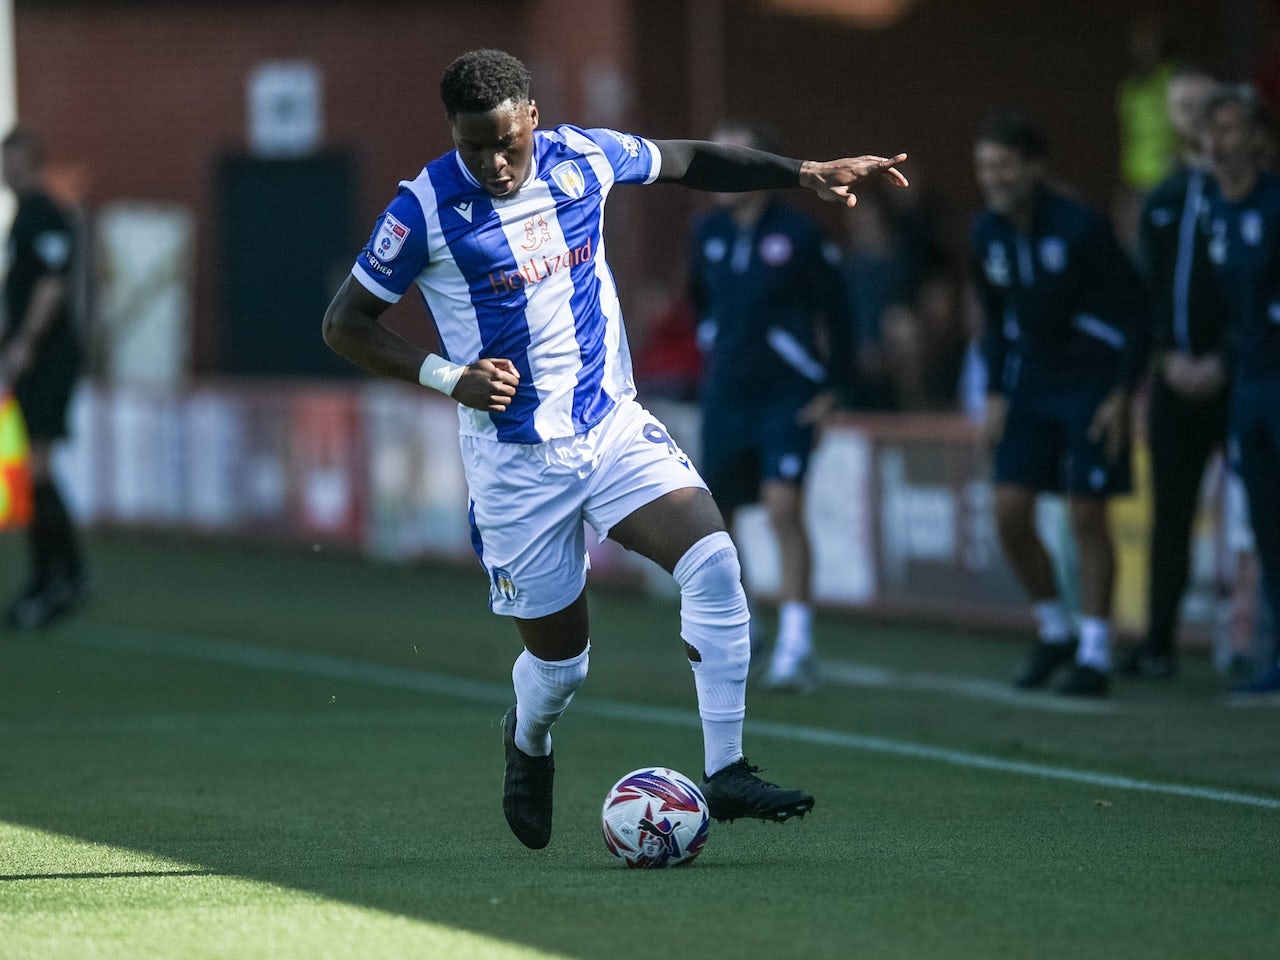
[1065, 323]
[1244, 245]
[1187, 412]
[773, 322]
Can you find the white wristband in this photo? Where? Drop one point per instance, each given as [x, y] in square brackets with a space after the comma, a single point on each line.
[439, 374]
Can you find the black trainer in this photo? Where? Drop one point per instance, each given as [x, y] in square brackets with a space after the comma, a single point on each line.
[43, 602]
[1145, 664]
[736, 792]
[1084, 681]
[526, 789]
[1044, 659]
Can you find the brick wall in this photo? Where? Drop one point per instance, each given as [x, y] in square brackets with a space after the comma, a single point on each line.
[144, 97]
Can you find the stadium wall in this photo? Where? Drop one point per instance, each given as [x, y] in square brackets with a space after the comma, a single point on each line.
[141, 100]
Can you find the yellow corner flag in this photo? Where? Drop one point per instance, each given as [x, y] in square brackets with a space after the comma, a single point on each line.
[15, 467]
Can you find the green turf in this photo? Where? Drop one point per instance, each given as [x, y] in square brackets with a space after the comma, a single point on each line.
[158, 802]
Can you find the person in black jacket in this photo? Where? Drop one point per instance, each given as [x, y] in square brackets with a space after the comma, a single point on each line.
[1243, 220]
[40, 360]
[1187, 414]
[1064, 314]
[773, 322]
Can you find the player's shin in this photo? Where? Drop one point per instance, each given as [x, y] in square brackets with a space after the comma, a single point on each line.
[714, 621]
[543, 691]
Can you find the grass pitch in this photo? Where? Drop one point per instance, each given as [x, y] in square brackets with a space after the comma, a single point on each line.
[244, 752]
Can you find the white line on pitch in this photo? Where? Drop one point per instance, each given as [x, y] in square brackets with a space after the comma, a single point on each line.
[883, 678]
[154, 643]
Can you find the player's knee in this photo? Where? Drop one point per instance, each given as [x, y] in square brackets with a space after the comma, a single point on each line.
[713, 606]
[710, 580]
[556, 677]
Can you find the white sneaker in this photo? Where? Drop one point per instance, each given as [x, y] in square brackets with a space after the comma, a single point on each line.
[792, 675]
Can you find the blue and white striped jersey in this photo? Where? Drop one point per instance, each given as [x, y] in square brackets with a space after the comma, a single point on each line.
[523, 278]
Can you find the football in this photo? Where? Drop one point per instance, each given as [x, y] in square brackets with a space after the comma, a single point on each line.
[655, 817]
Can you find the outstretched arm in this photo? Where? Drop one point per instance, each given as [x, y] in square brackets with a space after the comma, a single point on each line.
[703, 165]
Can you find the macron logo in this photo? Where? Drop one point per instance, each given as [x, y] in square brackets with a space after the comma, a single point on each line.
[464, 211]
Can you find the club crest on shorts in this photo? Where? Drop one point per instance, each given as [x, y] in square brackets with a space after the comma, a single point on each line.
[503, 584]
[390, 238]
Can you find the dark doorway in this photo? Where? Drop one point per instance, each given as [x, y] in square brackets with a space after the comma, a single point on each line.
[286, 242]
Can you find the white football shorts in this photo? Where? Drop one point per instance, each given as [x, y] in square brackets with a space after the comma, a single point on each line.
[529, 502]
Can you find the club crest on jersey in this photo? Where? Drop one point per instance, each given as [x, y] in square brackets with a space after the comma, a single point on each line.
[715, 249]
[1218, 241]
[390, 238]
[996, 266]
[1053, 254]
[1251, 227]
[568, 177]
[54, 248]
[775, 249]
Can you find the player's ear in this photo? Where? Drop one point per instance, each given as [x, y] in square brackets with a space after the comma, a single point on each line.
[533, 114]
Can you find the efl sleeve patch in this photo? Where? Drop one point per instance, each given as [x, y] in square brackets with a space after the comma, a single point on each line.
[390, 238]
[397, 251]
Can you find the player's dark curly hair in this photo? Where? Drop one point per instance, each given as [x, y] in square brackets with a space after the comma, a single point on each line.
[480, 80]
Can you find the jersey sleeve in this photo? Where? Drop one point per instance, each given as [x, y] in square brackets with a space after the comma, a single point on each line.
[831, 304]
[634, 159]
[1123, 295]
[993, 342]
[397, 251]
[1156, 257]
[695, 280]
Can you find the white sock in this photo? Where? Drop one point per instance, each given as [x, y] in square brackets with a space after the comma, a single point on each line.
[1053, 620]
[795, 632]
[721, 739]
[543, 690]
[1095, 643]
[714, 621]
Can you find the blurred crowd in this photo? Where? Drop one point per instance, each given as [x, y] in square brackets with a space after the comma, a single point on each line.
[904, 286]
[1174, 277]
[778, 316]
[915, 325]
